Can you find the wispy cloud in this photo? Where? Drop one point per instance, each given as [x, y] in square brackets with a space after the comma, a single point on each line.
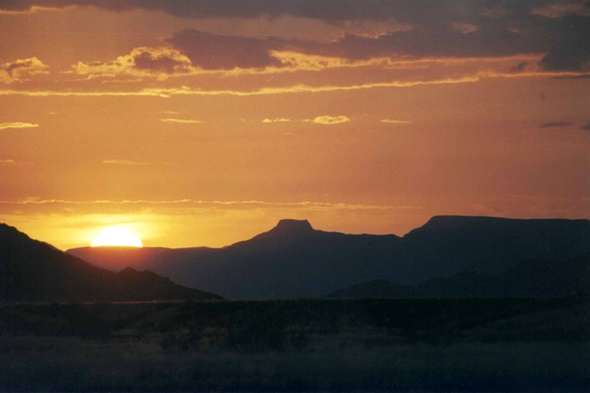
[304, 204]
[331, 119]
[586, 127]
[181, 121]
[556, 124]
[31, 9]
[396, 121]
[276, 120]
[4, 126]
[7, 162]
[123, 162]
[294, 89]
[167, 92]
[19, 69]
[142, 62]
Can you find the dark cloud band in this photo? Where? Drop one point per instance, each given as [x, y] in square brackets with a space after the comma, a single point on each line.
[452, 28]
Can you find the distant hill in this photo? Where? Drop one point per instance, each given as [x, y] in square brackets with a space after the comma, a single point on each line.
[33, 270]
[294, 260]
[536, 278]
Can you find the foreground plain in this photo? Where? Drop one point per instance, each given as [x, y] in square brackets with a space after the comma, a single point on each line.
[298, 345]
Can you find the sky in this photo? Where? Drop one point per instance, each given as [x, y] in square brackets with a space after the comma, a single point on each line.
[203, 123]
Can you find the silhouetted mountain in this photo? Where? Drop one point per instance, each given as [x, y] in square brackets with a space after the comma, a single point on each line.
[294, 260]
[33, 270]
[536, 278]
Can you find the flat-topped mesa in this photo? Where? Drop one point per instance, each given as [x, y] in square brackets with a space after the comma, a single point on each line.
[468, 224]
[293, 227]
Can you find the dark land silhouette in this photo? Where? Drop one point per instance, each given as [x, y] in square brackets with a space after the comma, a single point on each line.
[408, 345]
[536, 278]
[294, 260]
[461, 341]
[31, 270]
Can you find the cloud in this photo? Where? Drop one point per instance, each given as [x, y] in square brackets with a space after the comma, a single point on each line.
[279, 57]
[123, 162]
[331, 119]
[13, 9]
[181, 121]
[558, 10]
[580, 76]
[70, 93]
[396, 121]
[7, 162]
[158, 63]
[586, 127]
[4, 126]
[570, 46]
[308, 205]
[214, 52]
[292, 89]
[219, 52]
[562, 42]
[19, 69]
[300, 88]
[556, 124]
[556, 30]
[276, 120]
[331, 11]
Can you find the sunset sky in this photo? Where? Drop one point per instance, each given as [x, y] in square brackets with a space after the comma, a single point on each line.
[202, 123]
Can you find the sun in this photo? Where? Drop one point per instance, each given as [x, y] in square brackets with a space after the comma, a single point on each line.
[116, 236]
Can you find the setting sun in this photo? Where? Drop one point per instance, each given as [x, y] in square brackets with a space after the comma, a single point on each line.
[117, 236]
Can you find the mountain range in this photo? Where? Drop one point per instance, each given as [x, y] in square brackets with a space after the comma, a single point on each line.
[31, 270]
[294, 260]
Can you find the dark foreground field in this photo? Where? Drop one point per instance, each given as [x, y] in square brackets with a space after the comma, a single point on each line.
[302, 345]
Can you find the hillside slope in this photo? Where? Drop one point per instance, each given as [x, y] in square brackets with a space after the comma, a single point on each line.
[33, 270]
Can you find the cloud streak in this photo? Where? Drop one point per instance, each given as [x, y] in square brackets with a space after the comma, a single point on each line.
[184, 90]
[331, 120]
[123, 162]
[252, 203]
[557, 124]
[388, 121]
[299, 88]
[4, 126]
[281, 120]
[181, 121]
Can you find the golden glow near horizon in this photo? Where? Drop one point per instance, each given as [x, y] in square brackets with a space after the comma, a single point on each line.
[205, 123]
[116, 236]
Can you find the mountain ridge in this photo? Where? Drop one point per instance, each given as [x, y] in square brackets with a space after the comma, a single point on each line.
[294, 260]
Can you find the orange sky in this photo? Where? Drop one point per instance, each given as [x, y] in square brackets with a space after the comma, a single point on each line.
[204, 123]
